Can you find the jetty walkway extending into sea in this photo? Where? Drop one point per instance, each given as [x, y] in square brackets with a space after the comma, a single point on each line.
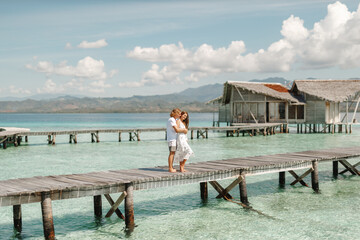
[16, 137]
[45, 189]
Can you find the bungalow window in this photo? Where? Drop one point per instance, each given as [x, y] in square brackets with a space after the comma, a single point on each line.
[292, 111]
[300, 112]
[277, 110]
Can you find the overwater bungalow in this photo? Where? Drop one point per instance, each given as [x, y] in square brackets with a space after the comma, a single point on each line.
[246, 102]
[309, 102]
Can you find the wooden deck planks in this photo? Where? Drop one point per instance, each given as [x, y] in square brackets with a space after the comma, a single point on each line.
[27, 190]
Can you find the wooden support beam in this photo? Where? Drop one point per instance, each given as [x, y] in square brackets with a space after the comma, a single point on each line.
[197, 134]
[207, 133]
[243, 190]
[231, 186]
[47, 216]
[335, 168]
[111, 202]
[49, 139]
[26, 139]
[350, 167]
[220, 189]
[120, 136]
[129, 207]
[315, 177]
[344, 171]
[204, 190]
[97, 206]
[92, 137]
[282, 179]
[116, 204]
[17, 218]
[192, 134]
[296, 177]
[53, 139]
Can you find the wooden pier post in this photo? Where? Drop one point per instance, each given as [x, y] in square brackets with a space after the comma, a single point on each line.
[120, 136]
[315, 177]
[282, 179]
[207, 134]
[204, 190]
[335, 169]
[138, 135]
[129, 207]
[297, 128]
[26, 139]
[197, 134]
[243, 190]
[47, 216]
[130, 136]
[97, 206]
[97, 137]
[17, 218]
[340, 128]
[49, 139]
[192, 134]
[305, 128]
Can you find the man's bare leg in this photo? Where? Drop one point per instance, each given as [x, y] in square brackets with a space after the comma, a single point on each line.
[171, 159]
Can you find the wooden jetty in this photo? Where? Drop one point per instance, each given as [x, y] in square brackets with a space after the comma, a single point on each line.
[134, 133]
[45, 189]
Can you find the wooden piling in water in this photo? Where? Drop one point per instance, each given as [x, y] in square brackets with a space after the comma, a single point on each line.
[204, 190]
[243, 190]
[47, 216]
[17, 218]
[315, 177]
[282, 179]
[120, 136]
[97, 206]
[192, 134]
[335, 168]
[129, 207]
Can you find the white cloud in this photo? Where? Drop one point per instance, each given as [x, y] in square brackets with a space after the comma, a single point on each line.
[332, 42]
[97, 44]
[87, 67]
[15, 90]
[51, 87]
[74, 85]
[68, 46]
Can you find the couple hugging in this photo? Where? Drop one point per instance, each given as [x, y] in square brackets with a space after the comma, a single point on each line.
[176, 130]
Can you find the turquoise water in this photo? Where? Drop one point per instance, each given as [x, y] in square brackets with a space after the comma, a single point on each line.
[178, 212]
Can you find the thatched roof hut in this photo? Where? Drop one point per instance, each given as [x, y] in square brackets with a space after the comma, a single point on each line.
[275, 90]
[328, 90]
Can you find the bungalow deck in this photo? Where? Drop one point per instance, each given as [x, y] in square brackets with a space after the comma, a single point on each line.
[45, 189]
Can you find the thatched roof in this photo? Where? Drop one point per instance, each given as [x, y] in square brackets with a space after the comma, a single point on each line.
[328, 90]
[275, 90]
[215, 100]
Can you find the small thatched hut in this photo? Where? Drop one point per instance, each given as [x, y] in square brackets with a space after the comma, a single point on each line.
[323, 99]
[308, 101]
[248, 102]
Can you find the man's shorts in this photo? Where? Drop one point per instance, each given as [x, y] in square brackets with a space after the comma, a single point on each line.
[172, 146]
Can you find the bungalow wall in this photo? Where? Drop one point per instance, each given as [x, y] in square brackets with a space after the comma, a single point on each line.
[264, 108]
[320, 111]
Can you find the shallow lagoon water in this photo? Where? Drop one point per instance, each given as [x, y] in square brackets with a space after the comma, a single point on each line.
[178, 212]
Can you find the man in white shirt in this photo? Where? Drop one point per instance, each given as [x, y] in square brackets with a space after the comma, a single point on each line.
[171, 135]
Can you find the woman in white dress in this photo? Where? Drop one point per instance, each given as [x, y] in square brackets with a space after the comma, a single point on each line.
[183, 150]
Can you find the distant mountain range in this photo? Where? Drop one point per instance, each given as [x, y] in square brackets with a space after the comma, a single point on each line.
[191, 99]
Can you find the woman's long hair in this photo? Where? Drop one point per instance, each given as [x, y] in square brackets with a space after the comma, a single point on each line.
[186, 120]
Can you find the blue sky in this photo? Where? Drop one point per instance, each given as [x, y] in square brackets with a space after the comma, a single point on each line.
[125, 48]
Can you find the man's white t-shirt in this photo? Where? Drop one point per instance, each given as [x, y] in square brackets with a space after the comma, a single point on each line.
[171, 135]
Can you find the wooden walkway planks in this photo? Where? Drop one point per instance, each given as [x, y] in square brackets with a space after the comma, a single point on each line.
[28, 190]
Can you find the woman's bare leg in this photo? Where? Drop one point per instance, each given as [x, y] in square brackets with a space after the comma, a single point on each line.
[182, 165]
